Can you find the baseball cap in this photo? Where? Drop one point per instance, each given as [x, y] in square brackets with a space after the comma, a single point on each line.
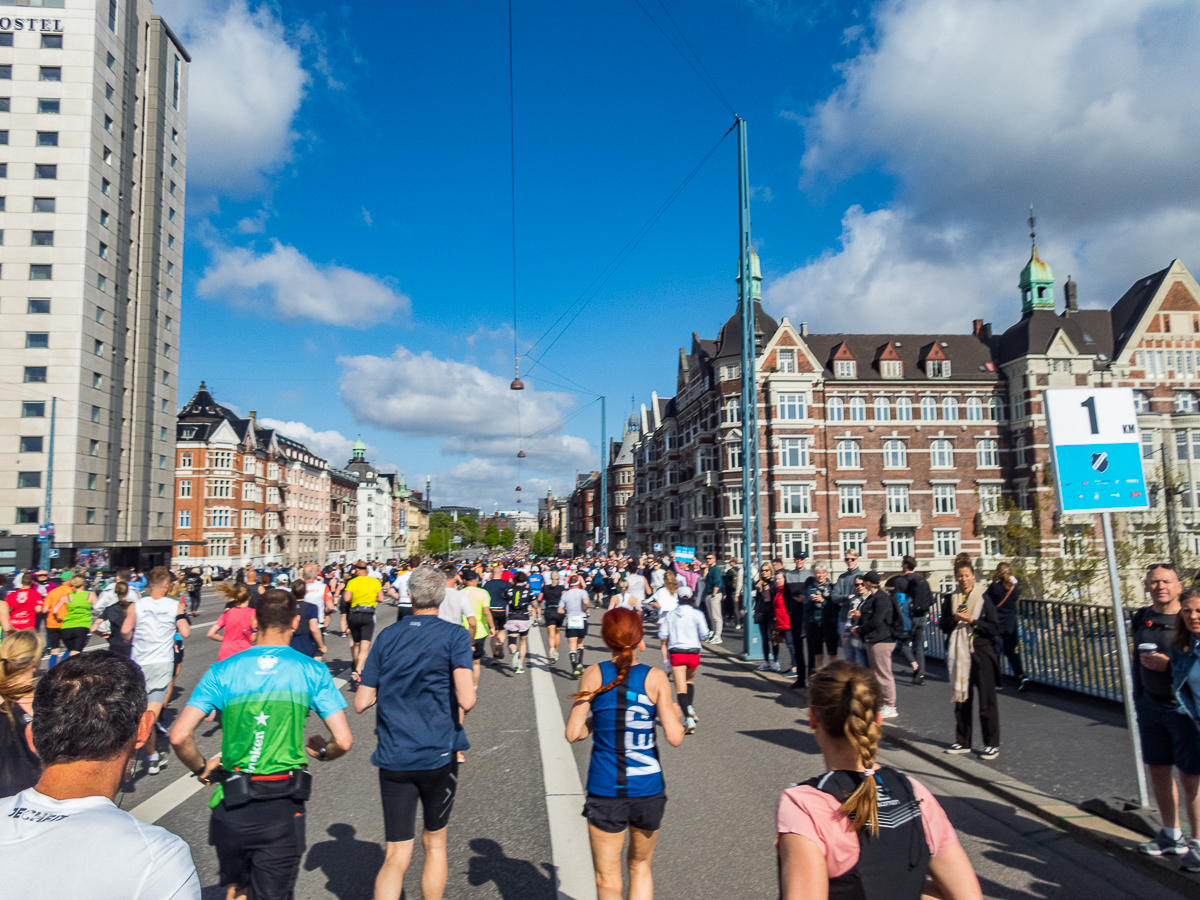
[871, 577]
[801, 555]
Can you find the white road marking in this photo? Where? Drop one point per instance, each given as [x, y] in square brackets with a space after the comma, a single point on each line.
[150, 811]
[569, 844]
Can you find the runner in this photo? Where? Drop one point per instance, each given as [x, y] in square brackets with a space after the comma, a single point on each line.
[574, 608]
[830, 837]
[403, 598]
[264, 693]
[307, 638]
[77, 617]
[682, 630]
[237, 621]
[317, 594]
[553, 593]
[150, 626]
[625, 789]
[193, 582]
[21, 607]
[54, 605]
[420, 673]
[456, 607]
[665, 599]
[361, 595]
[496, 587]
[517, 598]
[479, 600]
[114, 616]
[622, 599]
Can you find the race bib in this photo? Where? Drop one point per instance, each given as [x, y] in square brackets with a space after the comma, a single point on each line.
[576, 622]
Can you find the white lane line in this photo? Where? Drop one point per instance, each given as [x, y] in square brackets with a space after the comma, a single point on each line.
[569, 844]
[150, 811]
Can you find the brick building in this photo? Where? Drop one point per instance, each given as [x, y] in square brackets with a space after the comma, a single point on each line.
[343, 515]
[928, 444]
[620, 483]
[307, 502]
[583, 510]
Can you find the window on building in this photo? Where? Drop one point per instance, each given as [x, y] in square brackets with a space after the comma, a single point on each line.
[941, 455]
[31, 444]
[35, 374]
[45, 170]
[1181, 446]
[98, 348]
[46, 73]
[108, 92]
[1185, 402]
[845, 368]
[835, 407]
[974, 409]
[104, 221]
[796, 499]
[945, 542]
[105, 186]
[170, 215]
[791, 406]
[1141, 403]
[220, 517]
[26, 515]
[848, 455]
[185, 518]
[904, 409]
[43, 204]
[1147, 445]
[882, 409]
[6, 38]
[853, 541]
[29, 479]
[102, 284]
[46, 139]
[734, 454]
[733, 410]
[42, 239]
[943, 499]
[998, 408]
[41, 273]
[900, 543]
[93, 448]
[97, 380]
[858, 409]
[891, 368]
[989, 497]
[988, 453]
[937, 368]
[185, 487]
[37, 340]
[49, 106]
[36, 409]
[1021, 455]
[52, 41]
[787, 361]
[174, 83]
[897, 498]
[95, 414]
[793, 452]
[928, 409]
[950, 409]
[91, 481]
[850, 499]
[895, 455]
[733, 502]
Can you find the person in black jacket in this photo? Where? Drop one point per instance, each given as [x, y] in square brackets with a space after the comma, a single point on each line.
[876, 629]
[970, 622]
[919, 597]
[1005, 593]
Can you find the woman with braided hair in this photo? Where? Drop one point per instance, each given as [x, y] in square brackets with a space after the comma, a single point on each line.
[616, 704]
[863, 831]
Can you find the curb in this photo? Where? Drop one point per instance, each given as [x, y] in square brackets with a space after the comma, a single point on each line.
[1118, 841]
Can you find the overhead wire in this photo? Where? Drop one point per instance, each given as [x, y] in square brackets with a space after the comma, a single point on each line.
[702, 72]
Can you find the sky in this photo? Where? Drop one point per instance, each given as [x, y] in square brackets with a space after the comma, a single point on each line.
[349, 268]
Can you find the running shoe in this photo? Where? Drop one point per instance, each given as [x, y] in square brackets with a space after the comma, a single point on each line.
[764, 666]
[691, 711]
[889, 712]
[162, 729]
[1191, 859]
[689, 725]
[667, 667]
[462, 757]
[918, 679]
[955, 749]
[1165, 845]
[1025, 683]
[577, 672]
[989, 753]
[774, 667]
[554, 656]
[157, 765]
[518, 671]
[716, 640]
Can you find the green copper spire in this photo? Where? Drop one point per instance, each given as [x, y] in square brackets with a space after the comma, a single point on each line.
[1037, 281]
[359, 449]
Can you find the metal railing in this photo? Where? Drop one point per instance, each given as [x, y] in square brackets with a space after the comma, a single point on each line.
[1064, 644]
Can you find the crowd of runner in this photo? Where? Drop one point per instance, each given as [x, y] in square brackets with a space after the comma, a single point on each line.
[70, 737]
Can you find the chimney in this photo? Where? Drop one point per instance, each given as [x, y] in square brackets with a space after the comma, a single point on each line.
[253, 424]
[803, 329]
[1069, 291]
[977, 327]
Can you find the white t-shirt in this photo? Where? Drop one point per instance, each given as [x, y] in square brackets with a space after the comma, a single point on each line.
[456, 607]
[154, 630]
[314, 593]
[401, 585]
[637, 585]
[665, 599]
[111, 853]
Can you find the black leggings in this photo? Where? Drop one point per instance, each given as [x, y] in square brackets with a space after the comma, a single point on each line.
[770, 649]
[400, 791]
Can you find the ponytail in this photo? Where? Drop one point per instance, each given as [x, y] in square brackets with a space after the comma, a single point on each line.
[847, 700]
[238, 592]
[622, 631]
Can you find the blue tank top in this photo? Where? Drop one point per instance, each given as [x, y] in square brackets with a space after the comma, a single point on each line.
[624, 751]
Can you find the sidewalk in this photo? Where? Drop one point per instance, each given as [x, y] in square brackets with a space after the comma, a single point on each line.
[1068, 745]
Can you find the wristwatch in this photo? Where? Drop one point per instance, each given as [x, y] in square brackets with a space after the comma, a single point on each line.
[323, 753]
[199, 771]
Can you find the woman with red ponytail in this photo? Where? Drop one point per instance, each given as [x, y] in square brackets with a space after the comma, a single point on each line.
[616, 704]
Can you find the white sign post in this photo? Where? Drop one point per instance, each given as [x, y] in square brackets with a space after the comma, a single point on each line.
[1096, 450]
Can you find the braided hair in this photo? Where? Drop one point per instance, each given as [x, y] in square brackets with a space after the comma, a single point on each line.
[621, 629]
[847, 699]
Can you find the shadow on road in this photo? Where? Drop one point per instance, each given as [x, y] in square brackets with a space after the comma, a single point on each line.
[515, 879]
[349, 865]
[790, 738]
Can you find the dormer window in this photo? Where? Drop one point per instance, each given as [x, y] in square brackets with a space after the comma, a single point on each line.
[787, 362]
[845, 368]
[937, 368]
[891, 368]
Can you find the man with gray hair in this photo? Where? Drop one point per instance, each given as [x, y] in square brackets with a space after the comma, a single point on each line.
[419, 671]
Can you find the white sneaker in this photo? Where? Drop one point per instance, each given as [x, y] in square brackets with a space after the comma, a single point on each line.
[157, 765]
[764, 666]
[775, 667]
[889, 712]
[716, 640]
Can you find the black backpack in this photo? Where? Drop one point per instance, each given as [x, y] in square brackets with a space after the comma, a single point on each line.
[919, 595]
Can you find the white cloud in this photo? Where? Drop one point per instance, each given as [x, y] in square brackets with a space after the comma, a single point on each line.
[331, 445]
[489, 485]
[245, 85]
[285, 282]
[1088, 108]
[472, 409]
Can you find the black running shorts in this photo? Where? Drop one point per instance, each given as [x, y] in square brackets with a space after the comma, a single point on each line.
[554, 617]
[499, 616]
[259, 846]
[53, 638]
[435, 788]
[362, 624]
[477, 652]
[75, 639]
[613, 815]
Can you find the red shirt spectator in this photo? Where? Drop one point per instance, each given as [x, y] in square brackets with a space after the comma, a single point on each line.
[782, 619]
[23, 605]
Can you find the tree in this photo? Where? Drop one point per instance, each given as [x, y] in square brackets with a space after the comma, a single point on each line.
[507, 537]
[491, 537]
[438, 541]
[542, 543]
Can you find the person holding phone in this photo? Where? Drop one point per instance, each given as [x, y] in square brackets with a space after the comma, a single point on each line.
[1170, 741]
[970, 623]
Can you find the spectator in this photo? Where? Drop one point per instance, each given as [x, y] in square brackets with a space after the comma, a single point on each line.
[89, 719]
[795, 590]
[970, 624]
[876, 628]
[845, 596]
[764, 617]
[919, 597]
[821, 615]
[1169, 740]
[1185, 678]
[714, 585]
[1005, 594]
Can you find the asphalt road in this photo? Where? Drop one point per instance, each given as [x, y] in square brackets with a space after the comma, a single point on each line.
[723, 784]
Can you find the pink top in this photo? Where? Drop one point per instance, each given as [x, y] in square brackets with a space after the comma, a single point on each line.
[817, 816]
[238, 622]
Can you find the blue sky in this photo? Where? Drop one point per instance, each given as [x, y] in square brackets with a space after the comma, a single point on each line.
[348, 260]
